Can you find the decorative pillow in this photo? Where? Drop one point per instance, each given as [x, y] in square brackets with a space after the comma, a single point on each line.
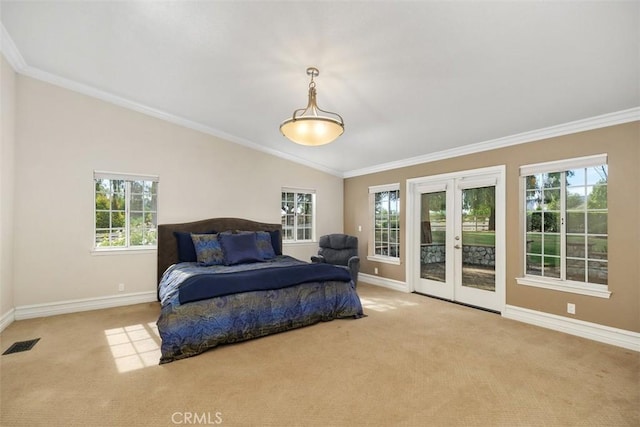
[265, 248]
[239, 248]
[186, 250]
[275, 242]
[208, 249]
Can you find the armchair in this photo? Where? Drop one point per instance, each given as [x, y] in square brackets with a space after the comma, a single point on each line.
[340, 250]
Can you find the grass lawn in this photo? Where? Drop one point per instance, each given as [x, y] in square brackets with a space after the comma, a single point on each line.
[486, 238]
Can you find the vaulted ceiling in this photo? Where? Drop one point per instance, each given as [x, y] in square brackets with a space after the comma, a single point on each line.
[409, 78]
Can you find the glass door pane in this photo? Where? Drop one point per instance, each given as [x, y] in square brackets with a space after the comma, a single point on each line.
[479, 238]
[433, 229]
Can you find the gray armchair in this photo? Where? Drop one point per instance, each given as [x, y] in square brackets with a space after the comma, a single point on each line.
[340, 250]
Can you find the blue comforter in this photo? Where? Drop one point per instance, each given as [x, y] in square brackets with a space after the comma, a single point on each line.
[275, 296]
[207, 282]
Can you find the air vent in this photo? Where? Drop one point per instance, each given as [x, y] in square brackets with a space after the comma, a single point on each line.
[21, 346]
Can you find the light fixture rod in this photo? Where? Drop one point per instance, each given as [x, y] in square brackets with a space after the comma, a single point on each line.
[313, 72]
[306, 126]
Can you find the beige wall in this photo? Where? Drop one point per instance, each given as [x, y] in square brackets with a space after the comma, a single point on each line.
[7, 144]
[60, 137]
[63, 136]
[621, 143]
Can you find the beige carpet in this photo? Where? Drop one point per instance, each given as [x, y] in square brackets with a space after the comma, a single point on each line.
[414, 361]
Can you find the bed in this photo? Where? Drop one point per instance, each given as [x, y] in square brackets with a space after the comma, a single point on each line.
[225, 280]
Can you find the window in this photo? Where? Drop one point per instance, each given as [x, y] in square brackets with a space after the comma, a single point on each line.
[385, 207]
[565, 218]
[126, 211]
[298, 215]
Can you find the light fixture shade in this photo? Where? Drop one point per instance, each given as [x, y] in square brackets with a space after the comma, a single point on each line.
[312, 131]
[307, 127]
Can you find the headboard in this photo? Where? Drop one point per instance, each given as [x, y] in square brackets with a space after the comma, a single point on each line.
[168, 245]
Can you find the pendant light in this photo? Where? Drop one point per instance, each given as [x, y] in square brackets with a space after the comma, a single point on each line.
[308, 126]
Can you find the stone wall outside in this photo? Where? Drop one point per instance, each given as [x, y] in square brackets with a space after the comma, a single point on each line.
[471, 254]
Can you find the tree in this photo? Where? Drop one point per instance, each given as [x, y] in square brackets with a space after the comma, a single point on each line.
[598, 197]
[480, 202]
[110, 211]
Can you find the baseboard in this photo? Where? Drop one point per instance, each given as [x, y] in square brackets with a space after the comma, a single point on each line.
[614, 336]
[64, 307]
[7, 319]
[396, 285]
[605, 334]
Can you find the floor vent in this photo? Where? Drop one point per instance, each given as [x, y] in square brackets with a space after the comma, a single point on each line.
[21, 346]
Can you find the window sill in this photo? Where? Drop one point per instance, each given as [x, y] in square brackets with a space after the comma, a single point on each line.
[123, 251]
[299, 242]
[384, 259]
[565, 286]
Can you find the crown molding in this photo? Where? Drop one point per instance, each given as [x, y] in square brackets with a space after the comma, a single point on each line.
[604, 120]
[18, 63]
[20, 66]
[10, 51]
[162, 115]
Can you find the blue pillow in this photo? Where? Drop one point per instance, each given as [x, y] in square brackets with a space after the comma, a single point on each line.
[265, 248]
[239, 248]
[208, 250]
[275, 242]
[186, 250]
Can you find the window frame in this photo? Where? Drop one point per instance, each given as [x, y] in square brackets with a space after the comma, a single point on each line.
[372, 256]
[128, 178]
[296, 226]
[559, 284]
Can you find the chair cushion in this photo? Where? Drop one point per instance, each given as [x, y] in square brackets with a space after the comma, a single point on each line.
[338, 241]
[338, 248]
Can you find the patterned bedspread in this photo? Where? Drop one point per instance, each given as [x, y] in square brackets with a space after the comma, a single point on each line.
[192, 328]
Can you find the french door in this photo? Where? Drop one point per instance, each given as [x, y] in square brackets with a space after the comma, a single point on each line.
[456, 223]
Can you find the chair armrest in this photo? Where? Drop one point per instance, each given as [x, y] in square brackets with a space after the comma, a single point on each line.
[354, 268]
[317, 259]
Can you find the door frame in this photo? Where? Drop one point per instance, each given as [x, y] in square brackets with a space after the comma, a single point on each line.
[412, 235]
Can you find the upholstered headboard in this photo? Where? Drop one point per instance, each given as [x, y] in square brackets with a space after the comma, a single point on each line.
[168, 245]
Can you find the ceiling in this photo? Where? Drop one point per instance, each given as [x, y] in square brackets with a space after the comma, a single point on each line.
[410, 79]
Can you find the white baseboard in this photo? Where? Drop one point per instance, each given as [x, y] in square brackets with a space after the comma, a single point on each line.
[7, 319]
[605, 334]
[72, 306]
[608, 335]
[396, 285]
